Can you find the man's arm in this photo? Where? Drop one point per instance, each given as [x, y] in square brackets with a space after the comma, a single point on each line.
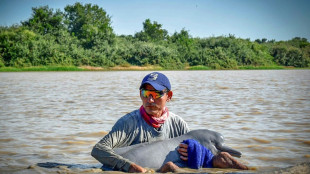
[104, 153]
[121, 135]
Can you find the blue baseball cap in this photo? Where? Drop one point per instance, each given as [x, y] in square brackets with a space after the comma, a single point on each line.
[158, 80]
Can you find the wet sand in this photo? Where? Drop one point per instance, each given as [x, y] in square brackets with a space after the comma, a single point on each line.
[302, 168]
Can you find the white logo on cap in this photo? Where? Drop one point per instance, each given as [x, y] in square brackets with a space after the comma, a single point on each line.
[153, 77]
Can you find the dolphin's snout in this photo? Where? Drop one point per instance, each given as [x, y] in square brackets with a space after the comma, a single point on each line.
[231, 151]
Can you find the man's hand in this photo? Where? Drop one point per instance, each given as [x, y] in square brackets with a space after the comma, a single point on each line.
[134, 168]
[183, 151]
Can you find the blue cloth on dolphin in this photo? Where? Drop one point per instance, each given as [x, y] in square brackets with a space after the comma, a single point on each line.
[198, 155]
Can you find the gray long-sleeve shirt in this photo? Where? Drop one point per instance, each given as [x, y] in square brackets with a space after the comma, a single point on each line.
[132, 129]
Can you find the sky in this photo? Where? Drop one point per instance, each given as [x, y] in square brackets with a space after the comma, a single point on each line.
[253, 19]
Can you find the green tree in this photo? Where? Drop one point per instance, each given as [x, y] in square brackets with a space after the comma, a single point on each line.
[90, 23]
[258, 41]
[183, 38]
[152, 32]
[279, 54]
[184, 44]
[296, 58]
[44, 20]
[14, 48]
[299, 42]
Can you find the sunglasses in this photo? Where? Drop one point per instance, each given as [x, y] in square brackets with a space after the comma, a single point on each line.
[155, 94]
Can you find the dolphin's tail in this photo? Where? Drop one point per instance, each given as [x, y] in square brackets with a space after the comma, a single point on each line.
[231, 151]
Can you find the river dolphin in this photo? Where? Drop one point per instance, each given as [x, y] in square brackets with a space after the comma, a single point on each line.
[155, 154]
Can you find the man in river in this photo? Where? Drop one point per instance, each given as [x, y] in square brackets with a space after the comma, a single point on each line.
[151, 122]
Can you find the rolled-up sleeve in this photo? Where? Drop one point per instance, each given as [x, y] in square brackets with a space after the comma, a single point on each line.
[103, 150]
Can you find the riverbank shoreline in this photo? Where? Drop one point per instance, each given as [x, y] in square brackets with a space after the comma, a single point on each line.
[134, 68]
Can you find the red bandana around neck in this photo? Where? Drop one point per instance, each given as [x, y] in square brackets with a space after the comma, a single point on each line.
[155, 122]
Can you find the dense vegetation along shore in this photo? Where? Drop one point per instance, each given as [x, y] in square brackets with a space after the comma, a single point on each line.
[130, 68]
[81, 36]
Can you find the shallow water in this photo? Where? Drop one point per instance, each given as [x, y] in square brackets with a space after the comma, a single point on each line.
[59, 116]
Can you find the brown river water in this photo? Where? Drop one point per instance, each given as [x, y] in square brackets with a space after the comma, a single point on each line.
[59, 116]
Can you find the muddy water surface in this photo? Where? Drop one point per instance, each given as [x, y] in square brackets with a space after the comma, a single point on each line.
[59, 116]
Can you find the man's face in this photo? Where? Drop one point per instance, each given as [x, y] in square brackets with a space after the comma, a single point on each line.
[154, 106]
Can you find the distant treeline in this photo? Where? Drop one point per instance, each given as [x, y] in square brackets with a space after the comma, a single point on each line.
[82, 35]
